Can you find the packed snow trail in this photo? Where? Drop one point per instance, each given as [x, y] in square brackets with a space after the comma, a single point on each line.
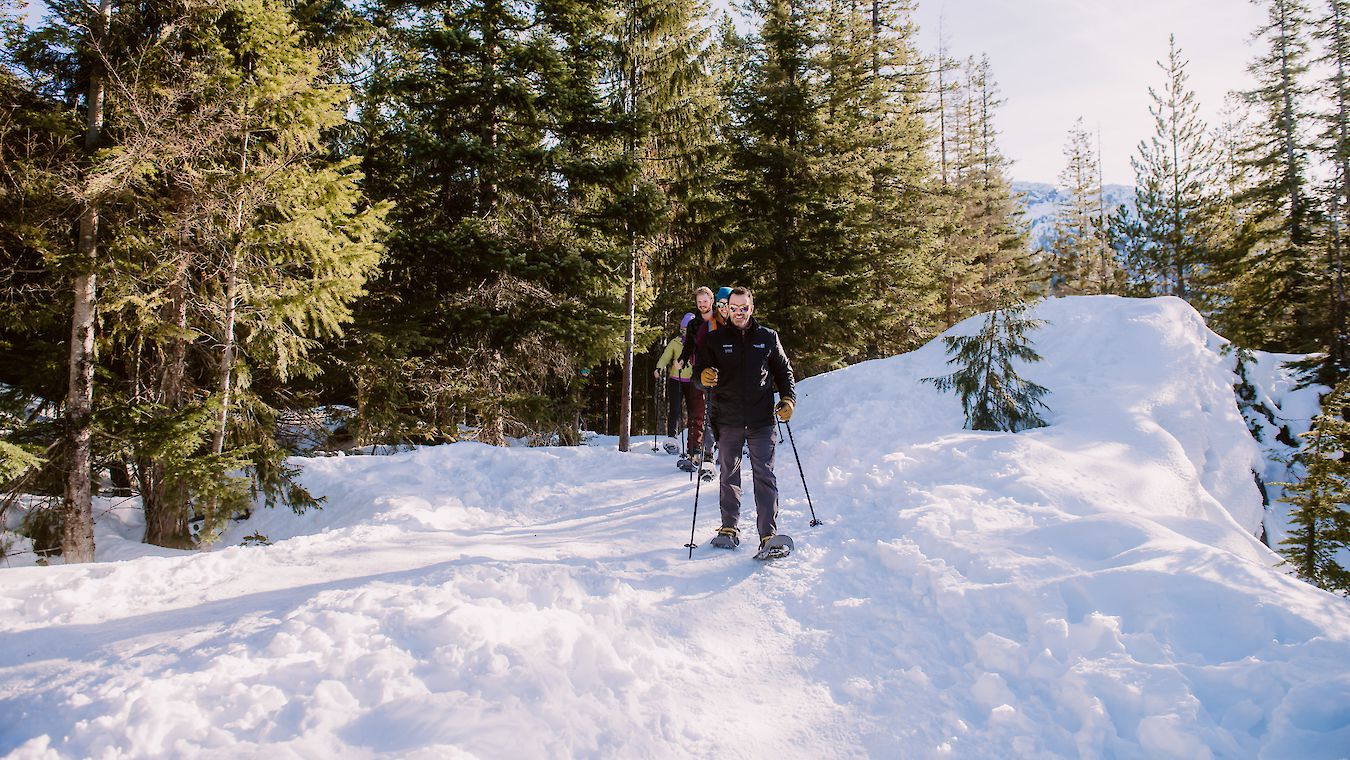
[1089, 589]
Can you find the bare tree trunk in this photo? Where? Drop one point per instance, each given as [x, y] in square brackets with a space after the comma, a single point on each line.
[626, 392]
[77, 533]
[1340, 336]
[225, 383]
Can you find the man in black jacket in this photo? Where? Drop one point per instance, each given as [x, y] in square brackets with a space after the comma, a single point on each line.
[742, 363]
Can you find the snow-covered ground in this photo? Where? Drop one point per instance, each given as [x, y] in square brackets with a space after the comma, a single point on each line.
[1091, 589]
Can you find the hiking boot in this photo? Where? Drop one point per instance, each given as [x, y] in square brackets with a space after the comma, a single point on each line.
[726, 538]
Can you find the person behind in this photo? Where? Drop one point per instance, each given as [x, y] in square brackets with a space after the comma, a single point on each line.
[712, 318]
[720, 302]
[742, 364]
[678, 388]
[693, 333]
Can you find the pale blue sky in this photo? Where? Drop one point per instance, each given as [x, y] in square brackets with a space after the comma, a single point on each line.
[1057, 60]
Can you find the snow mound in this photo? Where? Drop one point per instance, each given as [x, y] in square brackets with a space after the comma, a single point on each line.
[1089, 589]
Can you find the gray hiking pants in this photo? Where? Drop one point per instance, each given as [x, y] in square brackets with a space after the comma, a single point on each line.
[762, 442]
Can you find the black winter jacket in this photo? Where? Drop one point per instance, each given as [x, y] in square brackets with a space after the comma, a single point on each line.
[750, 363]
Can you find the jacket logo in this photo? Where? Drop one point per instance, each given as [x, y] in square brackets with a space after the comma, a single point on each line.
[759, 345]
[727, 349]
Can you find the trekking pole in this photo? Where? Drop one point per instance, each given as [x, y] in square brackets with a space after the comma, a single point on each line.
[814, 520]
[691, 545]
[656, 414]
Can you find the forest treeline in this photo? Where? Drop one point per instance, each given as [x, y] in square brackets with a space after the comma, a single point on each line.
[473, 217]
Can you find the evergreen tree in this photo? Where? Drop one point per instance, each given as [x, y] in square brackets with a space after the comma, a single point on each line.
[1334, 147]
[829, 159]
[661, 69]
[952, 264]
[1231, 225]
[232, 241]
[778, 187]
[692, 167]
[1270, 304]
[898, 212]
[993, 395]
[1321, 500]
[1083, 263]
[1174, 177]
[270, 241]
[989, 231]
[80, 44]
[492, 125]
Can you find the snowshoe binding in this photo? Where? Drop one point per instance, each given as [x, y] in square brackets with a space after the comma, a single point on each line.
[672, 447]
[774, 547]
[686, 464]
[726, 538]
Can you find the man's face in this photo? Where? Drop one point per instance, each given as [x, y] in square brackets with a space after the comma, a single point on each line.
[741, 308]
[704, 302]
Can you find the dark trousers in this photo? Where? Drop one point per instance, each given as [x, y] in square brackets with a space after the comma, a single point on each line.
[696, 419]
[679, 395]
[674, 402]
[761, 442]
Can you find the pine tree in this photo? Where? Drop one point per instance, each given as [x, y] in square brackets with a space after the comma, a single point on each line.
[492, 125]
[1174, 177]
[993, 395]
[1082, 260]
[660, 65]
[1231, 225]
[778, 112]
[1321, 500]
[1270, 305]
[692, 167]
[228, 225]
[829, 159]
[952, 263]
[80, 43]
[897, 209]
[990, 231]
[1334, 146]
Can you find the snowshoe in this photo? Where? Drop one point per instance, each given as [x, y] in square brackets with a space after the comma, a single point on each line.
[726, 538]
[672, 447]
[686, 464]
[774, 547]
[707, 473]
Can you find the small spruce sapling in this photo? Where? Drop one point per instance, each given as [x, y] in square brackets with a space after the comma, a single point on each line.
[994, 396]
[1320, 520]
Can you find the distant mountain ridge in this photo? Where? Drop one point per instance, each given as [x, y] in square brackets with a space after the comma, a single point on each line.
[1041, 201]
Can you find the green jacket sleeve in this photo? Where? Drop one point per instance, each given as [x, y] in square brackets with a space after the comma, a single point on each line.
[672, 351]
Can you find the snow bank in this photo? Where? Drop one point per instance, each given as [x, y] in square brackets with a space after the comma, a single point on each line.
[1088, 589]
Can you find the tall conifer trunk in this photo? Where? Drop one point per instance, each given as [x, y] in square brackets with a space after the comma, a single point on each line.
[163, 501]
[77, 538]
[1340, 331]
[630, 301]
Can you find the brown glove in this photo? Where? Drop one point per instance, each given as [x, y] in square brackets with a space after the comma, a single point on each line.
[784, 409]
[708, 377]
